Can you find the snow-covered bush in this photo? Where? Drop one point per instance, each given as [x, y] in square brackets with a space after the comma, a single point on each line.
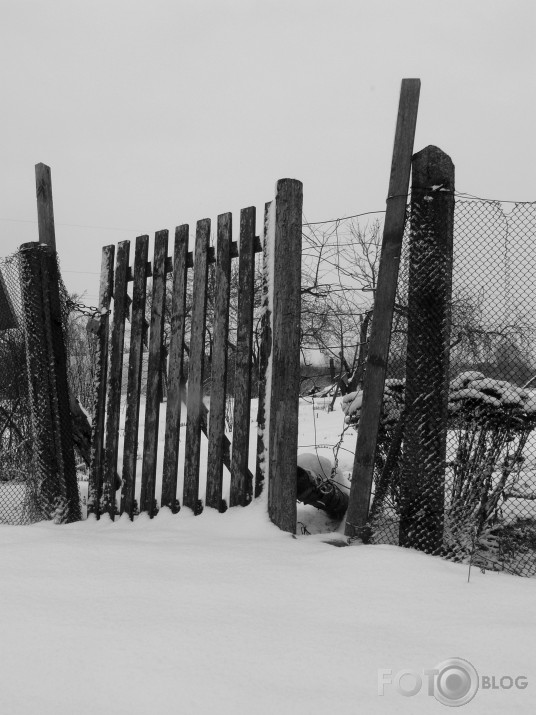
[490, 421]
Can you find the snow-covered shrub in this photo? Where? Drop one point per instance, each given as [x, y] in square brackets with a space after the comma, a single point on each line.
[490, 421]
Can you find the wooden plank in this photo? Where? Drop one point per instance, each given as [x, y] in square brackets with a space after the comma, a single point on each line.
[422, 469]
[285, 358]
[154, 376]
[101, 370]
[135, 362]
[196, 367]
[218, 390]
[175, 371]
[241, 485]
[45, 207]
[115, 376]
[265, 349]
[380, 334]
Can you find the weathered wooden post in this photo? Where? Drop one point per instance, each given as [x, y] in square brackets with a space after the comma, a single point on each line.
[427, 361]
[49, 392]
[284, 371]
[45, 207]
[380, 334]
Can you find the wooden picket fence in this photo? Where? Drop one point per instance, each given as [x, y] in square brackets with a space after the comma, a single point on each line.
[279, 366]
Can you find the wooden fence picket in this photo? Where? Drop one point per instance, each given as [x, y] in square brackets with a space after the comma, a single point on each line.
[265, 348]
[196, 367]
[154, 375]
[241, 484]
[113, 409]
[175, 369]
[130, 445]
[217, 443]
[102, 327]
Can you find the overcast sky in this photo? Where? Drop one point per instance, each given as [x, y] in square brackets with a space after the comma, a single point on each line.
[155, 113]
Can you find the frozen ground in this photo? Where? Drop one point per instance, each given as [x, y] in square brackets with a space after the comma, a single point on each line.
[223, 613]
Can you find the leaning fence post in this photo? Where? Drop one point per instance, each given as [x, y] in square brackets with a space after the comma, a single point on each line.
[284, 372]
[422, 488]
[382, 316]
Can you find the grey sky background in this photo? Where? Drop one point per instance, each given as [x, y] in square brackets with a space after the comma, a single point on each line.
[156, 113]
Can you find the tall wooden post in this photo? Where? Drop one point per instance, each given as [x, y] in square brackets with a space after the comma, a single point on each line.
[427, 361]
[285, 358]
[49, 392]
[380, 334]
[45, 208]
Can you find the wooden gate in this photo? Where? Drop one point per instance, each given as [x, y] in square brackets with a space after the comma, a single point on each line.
[182, 287]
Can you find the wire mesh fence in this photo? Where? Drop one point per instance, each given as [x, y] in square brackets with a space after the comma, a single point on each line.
[37, 464]
[18, 482]
[455, 470]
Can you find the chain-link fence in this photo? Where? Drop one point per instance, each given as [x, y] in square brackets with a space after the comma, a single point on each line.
[18, 483]
[37, 465]
[455, 469]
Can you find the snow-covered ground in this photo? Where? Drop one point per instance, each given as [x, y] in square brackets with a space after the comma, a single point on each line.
[223, 613]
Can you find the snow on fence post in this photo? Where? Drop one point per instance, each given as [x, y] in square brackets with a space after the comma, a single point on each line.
[382, 316]
[427, 363]
[283, 383]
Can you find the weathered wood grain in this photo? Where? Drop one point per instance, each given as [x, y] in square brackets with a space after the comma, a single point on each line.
[265, 348]
[135, 361]
[45, 206]
[154, 376]
[422, 468]
[241, 485]
[115, 375]
[196, 367]
[100, 384]
[218, 389]
[285, 358]
[175, 371]
[380, 334]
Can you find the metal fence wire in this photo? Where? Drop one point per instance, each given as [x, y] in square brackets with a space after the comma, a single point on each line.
[18, 479]
[37, 465]
[455, 470]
